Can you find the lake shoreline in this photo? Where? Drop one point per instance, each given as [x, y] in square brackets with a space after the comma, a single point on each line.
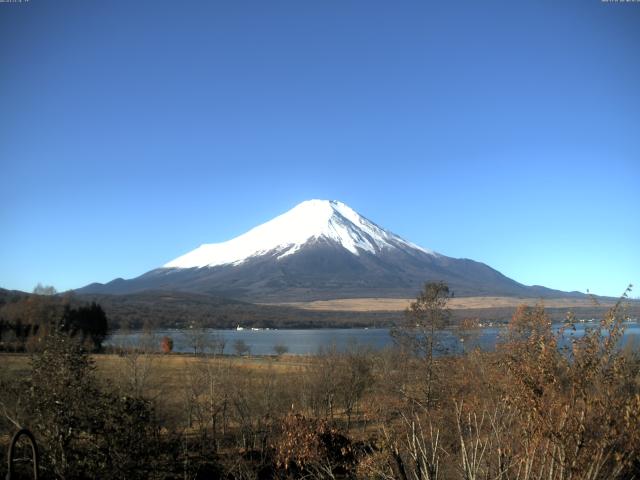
[310, 341]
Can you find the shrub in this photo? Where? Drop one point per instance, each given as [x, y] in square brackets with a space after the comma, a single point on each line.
[84, 431]
[166, 344]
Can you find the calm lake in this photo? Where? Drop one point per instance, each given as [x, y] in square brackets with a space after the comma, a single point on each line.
[303, 342]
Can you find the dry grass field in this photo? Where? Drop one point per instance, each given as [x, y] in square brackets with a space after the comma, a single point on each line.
[163, 374]
[170, 380]
[462, 303]
[109, 366]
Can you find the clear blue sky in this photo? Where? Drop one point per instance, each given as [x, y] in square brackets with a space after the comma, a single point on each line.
[506, 132]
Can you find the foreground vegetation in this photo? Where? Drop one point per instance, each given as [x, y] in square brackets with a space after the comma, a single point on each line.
[529, 410]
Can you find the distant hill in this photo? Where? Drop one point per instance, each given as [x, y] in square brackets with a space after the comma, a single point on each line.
[160, 309]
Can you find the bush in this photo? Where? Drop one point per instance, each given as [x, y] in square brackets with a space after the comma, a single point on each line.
[166, 344]
[308, 448]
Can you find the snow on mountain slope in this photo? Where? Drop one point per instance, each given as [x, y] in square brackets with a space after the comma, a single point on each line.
[285, 234]
[319, 250]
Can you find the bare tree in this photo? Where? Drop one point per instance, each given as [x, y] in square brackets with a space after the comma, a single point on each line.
[197, 338]
[353, 377]
[322, 388]
[40, 289]
[217, 344]
[136, 352]
[423, 318]
[280, 349]
[241, 347]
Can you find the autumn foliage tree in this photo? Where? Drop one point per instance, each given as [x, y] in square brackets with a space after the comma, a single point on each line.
[166, 344]
[32, 318]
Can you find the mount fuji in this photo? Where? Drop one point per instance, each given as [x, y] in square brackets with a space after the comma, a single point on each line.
[319, 250]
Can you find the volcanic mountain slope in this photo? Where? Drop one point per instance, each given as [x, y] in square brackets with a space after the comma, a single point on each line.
[319, 250]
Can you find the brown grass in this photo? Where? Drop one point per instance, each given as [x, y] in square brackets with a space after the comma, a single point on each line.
[462, 303]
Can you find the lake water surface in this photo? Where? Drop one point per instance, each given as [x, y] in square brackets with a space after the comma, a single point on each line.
[304, 342]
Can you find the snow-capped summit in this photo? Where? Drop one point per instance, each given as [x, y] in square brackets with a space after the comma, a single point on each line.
[319, 249]
[308, 221]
